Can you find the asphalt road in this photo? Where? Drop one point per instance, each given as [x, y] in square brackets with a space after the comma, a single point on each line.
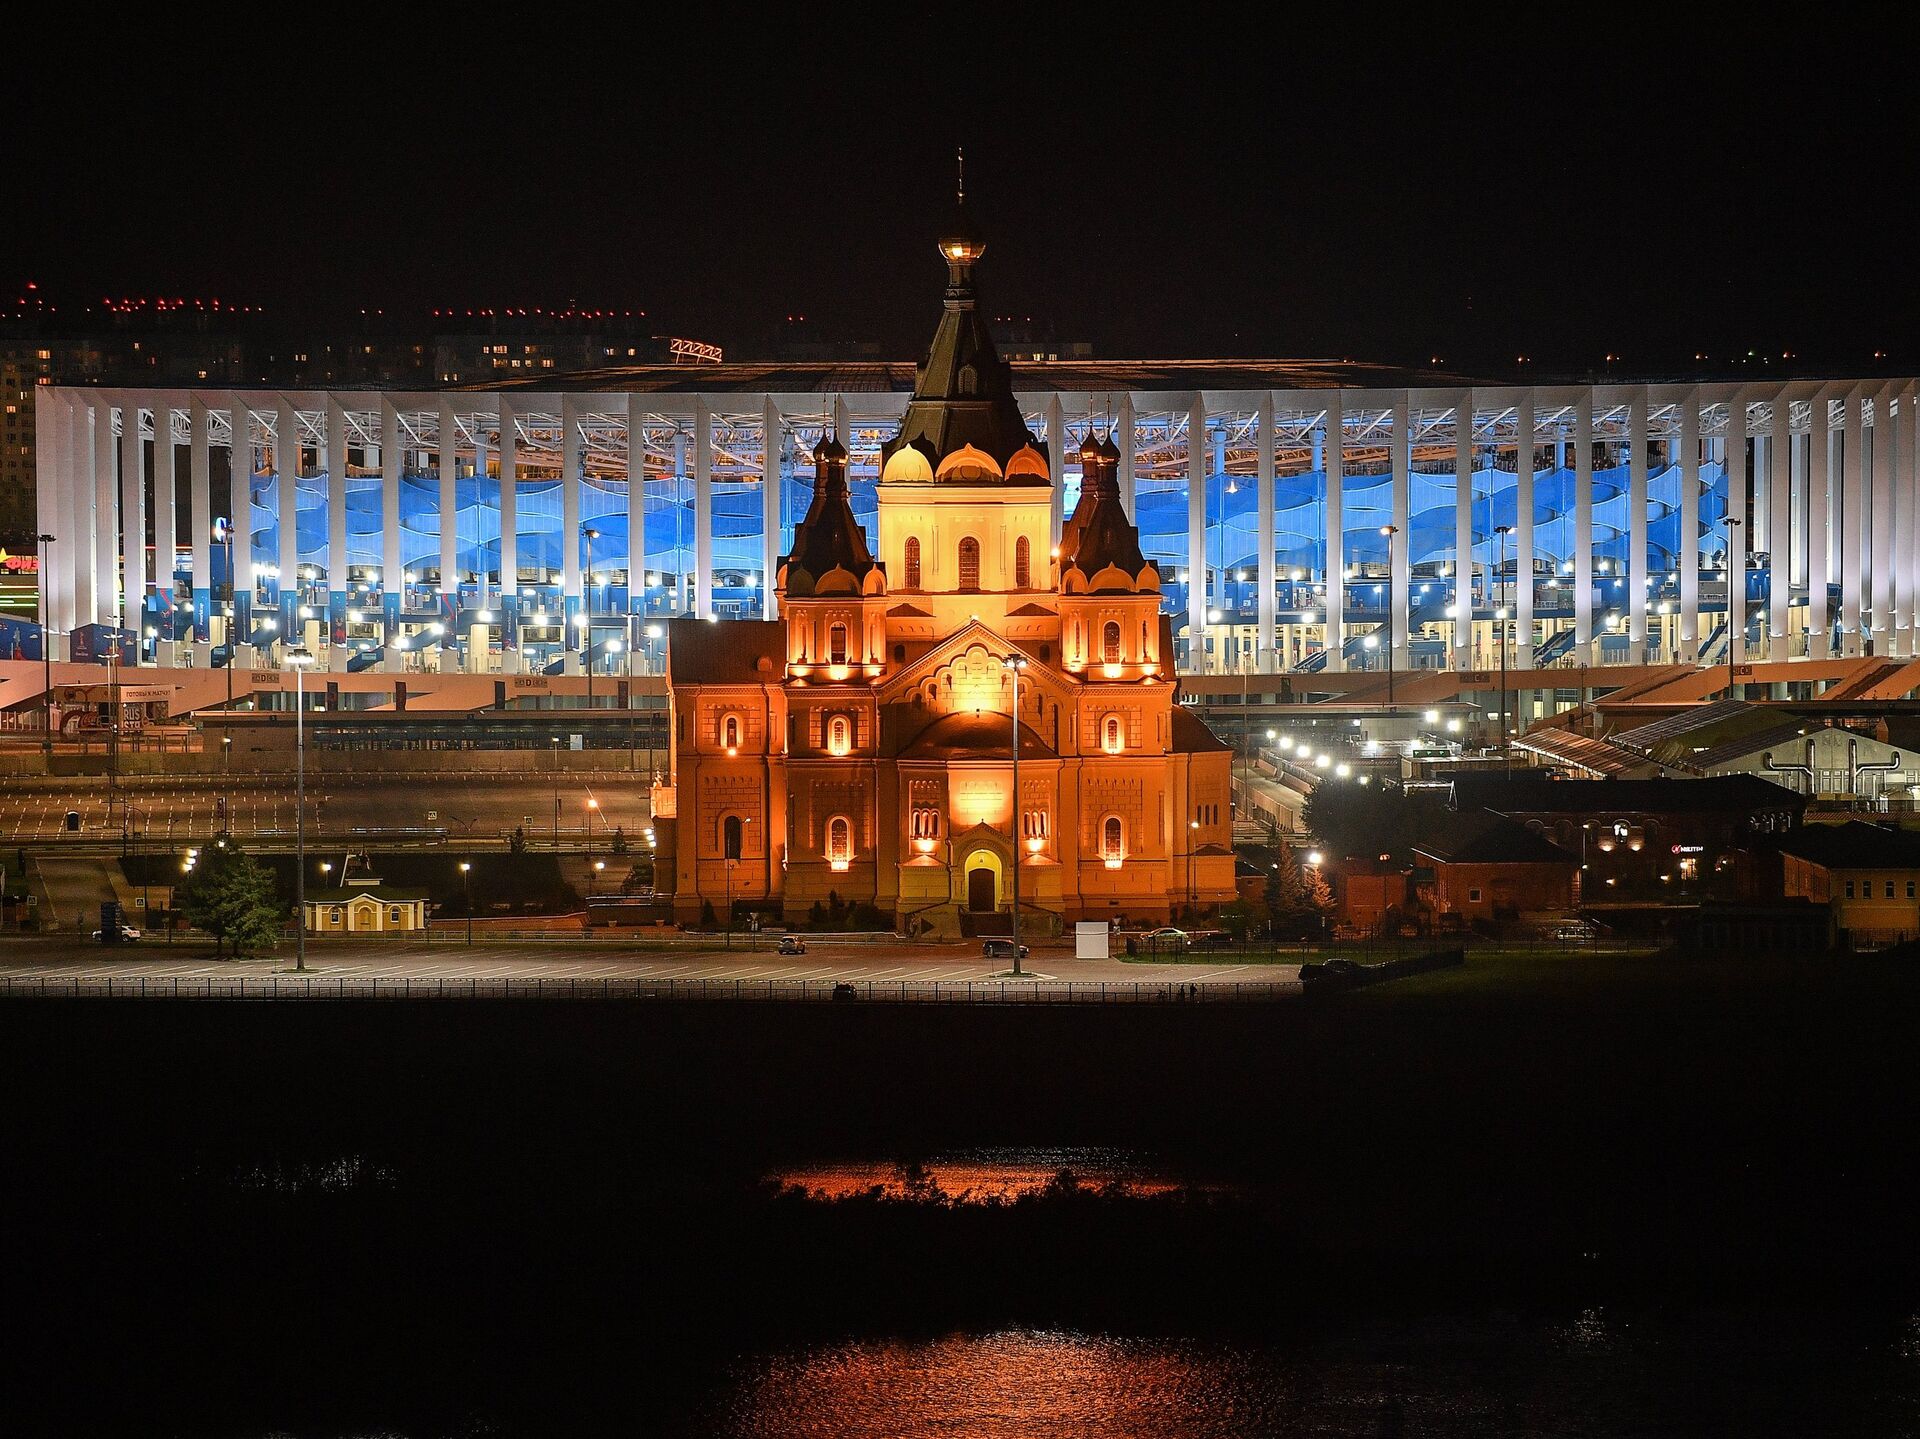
[423, 806]
[914, 964]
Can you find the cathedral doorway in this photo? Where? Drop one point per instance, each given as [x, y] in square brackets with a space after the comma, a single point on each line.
[980, 891]
[983, 882]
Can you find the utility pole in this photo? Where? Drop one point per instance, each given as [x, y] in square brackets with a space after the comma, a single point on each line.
[300, 657]
[586, 605]
[1736, 604]
[1500, 621]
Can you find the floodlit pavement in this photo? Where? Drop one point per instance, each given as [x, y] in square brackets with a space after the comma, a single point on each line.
[920, 964]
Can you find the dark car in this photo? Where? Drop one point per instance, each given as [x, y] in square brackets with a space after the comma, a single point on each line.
[1001, 949]
[843, 992]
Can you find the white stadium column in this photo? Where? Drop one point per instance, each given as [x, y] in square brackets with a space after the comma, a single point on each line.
[393, 576]
[1057, 461]
[572, 593]
[288, 491]
[449, 516]
[1400, 543]
[1687, 556]
[133, 516]
[166, 503]
[703, 506]
[1583, 526]
[1739, 540]
[1333, 544]
[509, 506]
[636, 506]
[1637, 575]
[339, 568]
[1819, 455]
[1463, 531]
[772, 497]
[1124, 442]
[106, 534]
[1263, 533]
[1907, 506]
[1197, 536]
[200, 516]
[1523, 540]
[1882, 453]
[1853, 491]
[1779, 529]
[51, 513]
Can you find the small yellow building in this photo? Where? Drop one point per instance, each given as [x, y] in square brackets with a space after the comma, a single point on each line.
[862, 747]
[1869, 875]
[366, 909]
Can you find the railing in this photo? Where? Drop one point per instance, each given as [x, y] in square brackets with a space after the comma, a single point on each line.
[347, 987]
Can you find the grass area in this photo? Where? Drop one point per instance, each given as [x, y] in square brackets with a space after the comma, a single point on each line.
[1363, 953]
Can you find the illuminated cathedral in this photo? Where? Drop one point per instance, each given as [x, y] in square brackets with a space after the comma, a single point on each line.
[860, 747]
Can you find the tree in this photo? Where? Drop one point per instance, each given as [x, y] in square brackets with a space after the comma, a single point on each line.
[1239, 917]
[1286, 894]
[1319, 894]
[1371, 820]
[233, 899]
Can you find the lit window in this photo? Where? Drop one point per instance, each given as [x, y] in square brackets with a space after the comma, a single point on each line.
[1113, 841]
[839, 735]
[730, 732]
[837, 644]
[1112, 739]
[1022, 563]
[969, 563]
[1110, 642]
[913, 562]
[839, 842]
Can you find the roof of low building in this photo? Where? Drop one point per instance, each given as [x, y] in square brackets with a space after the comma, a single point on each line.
[384, 893]
[1488, 838]
[1854, 845]
[1536, 793]
[736, 652]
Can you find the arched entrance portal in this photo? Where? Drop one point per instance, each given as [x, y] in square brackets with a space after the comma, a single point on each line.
[984, 879]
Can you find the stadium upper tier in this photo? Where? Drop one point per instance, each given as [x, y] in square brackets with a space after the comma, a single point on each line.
[1603, 506]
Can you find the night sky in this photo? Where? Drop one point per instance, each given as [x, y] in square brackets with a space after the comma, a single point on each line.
[1161, 186]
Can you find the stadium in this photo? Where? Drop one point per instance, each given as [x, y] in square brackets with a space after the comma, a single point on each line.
[1307, 518]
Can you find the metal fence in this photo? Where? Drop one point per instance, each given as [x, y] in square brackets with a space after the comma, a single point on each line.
[782, 991]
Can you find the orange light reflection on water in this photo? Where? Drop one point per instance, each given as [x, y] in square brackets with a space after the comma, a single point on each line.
[1017, 1384]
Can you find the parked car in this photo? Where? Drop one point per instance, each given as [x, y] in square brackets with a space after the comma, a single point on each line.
[1166, 940]
[128, 935]
[842, 992]
[792, 944]
[1001, 949]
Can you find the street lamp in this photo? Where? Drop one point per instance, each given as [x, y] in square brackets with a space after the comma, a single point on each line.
[466, 883]
[1193, 838]
[1014, 665]
[592, 805]
[556, 794]
[299, 657]
[1734, 605]
[1390, 531]
[46, 655]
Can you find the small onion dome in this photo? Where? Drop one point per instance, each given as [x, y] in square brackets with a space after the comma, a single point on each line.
[1089, 448]
[829, 449]
[967, 463]
[1109, 450]
[1027, 461]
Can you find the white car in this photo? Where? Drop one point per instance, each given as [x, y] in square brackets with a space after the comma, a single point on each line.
[128, 934]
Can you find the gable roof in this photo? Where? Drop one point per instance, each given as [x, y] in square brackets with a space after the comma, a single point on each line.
[1191, 735]
[379, 893]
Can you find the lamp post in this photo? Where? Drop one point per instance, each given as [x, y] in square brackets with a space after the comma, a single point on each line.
[1014, 665]
[466, 883]
[46, 655]
[1736, 605]
[1193, 838]
[586, 603]
[1390, 531]
[592, 805]
[299, 657]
